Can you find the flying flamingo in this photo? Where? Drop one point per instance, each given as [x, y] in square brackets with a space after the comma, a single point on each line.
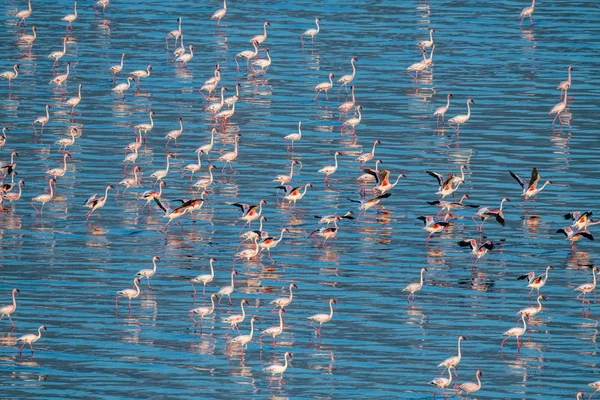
[432, 226]
[204, 279]
[282, 302]
[461, 119]
[129, 293]
[485, 213]
[441, 111]
[346, 79]
[326, 233]
[325, 86]
[148, 273]
[322, 318]
[8, 310]
[575, 236]
[531, 189]
[203, 311]
[30, 339]
[477, 251]
[414, 287]
[234, 320]
[311, 32]
[516, 332]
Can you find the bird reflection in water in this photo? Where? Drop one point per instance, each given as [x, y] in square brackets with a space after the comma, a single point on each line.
[580, 260]
[531, 224]
[206, 346]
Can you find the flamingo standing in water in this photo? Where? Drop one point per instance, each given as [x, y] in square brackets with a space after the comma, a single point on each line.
[270, 242]
[129, 293]
[3, 137]
[140, 73]
[485, 213]
[101, 3]
[248, 254]
[130, 182]
[151, 195]
[574, 236]
[347, 105]
[587, 288]
[57, 55]
[207, 148]
[352, 122]
[477, 251]
[148, 273]
[532, 311]
[441, 111]
[58, 172]
[292, 137]
[234, 320]
[193, 168]
[205, 278]
[283, 179]
[174, 134]
[330, 169]
[534, 282]
[42, 121]
[10, 75]
[276, 369]
[559, 109]
[24, 14]
[43, 198]
[322, 318]
[262, 63]
[324, 86]
[230, 101]
[161, 173]
[243, 340]
[121, 88]
[414, 287]
[261, 38]
[95, 203]
[12, 197]
[432, 226]
[203, 311]
[74, 101]
[527, 12]
[30, 339]
[469, 387]
[248, 55]
[70, 18]
[461, 119]
[346, 79]
[215, 108]
[516, 332]
[426, 44]
[274, 331]
[364, 158]
[565, 85]
[296, 194]
[452, 362]
[29, 39]
[442, 383]
[250, 212]
[174, 34]
[145, 128]
[418, 67]
[185, 58]
[531, 189]
[10, 309]
[283, 302]
[219, 14]
[311, 32]
[227, 290]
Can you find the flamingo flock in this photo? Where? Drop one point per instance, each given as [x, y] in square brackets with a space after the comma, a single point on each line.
[374, 186]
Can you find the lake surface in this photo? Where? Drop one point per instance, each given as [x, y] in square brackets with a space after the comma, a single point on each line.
[376, 346]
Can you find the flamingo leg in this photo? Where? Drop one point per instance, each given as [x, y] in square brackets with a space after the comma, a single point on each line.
[11, 321]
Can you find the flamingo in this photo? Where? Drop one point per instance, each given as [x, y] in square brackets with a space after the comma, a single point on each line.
[29, 39]
[227, 290]
[414, 287]
[368, 204]
[215, 108]
[70, 18]
[534, 282]
[247, 54]
[42, 121]
[594, 385]
[250, 212]
[10, 309]
[121, 88]
[461, 119]
[324, 86]
[330, 219]
[527, 12]
[369, 174]
[129, 293]
[296, 194]
[364, 158]
[469, 387]
[10, 75]
[354, 121]
[559, 109]
[261, 38]
[178, 51]
[581, 220]
[283, 179]
[485, 213]
[451, 205]
[442, 383]
[270, 243]
[205, 182]
[322, 318]
[203, 311]
[74, 101]
[130, 182]
[139, 74]
[330, 169]
[248, 254]
[283, 302]
[219, 14]
[94, 203]
[565, 85]
[432, 226]
[311, 32]
[30, 339]
[477, 251]
[101, 3]
[184, 59]
[12, 197]
[174, 34]
[274, 331]
[205, 278]
[174, 134]
[131, 157]
[230, 156]
[234, 320]
[161, 173]
[382, 178]
[418, 67]
[258, 234]
[243, 340]
[575, 236]
[276, 369]
[293, 137]
[532, 311]
[24, 14]
[425, 44]
[262, 63]
[225, 115]
[58, 172]
[148, 273]
[516, 332]
[115, 69]
[531, 189]
[211, 84]
[452, 362]
[57, 55]
[587, 288]
[145, 127]
[346, 79]
[7, 187]
[43, 198]
[193, 168]
[348, 105]
[326, 233]
[3, 137]
[441, 111]
[207, 148]
[230, 101]
[151, 195]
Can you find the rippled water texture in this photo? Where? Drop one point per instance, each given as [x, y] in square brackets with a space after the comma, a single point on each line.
[68, 271]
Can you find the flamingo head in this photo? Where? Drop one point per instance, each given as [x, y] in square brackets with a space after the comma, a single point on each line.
[152, 113]
[294, 286]
[378, 141]
[109, 186]
[354, 59]
[163, 184]
[544, 298]
[309, 185]
[225, 89]
[245, 302]
[331, 75]
[43, 327]
[506, 199]
[282, 311]
[549, 182]
[214, 295]
[254, 318]
[68, 154]
[15, 290]
[213, 167]
[338, 153]
[156, 258]
[22, 182]
[463, 338]
[213, 259]
[570, 68]
[425, 269]
[318, 20]
[17, 66]
[479, 373]
[359, 107]
[234, 273]
[263, 201]
[471, 101]
[450, 95]
[333, 301]
[286, 230]
[267, 23]
[137, 280]
[465, 166]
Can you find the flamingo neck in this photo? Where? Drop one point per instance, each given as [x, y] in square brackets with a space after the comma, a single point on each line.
[148, 71]
[594, 273]
[265, 30]
[65, 50]
[281, 320]
[431, 54]
[448, 101]
[64, 162]
[336, 163]
[303, 193]
[16, 71]
[222, 98]
[449, 376]
[330, 309]
[39, 335]
[539, 304]
[153, 260]
[281, 234]
[212, 271]
[20, 183]
[29, 3]
[353, 100]
[225, 4]
[106, 192]
[137, 288]
[501, 204]
[251, 328]
[318, 27]
[397, 179]
[373, 151]
[478, 382]
[179, 24]
[199, 162]
[459, 355]
[13, 293]
[523, 318]
[79, 92]
[212, 303]
[291, 176]
[353, 68]
[468, 109]
[285, 363]
[359, 115]
[212, 138]
[168, 159]
[243, 311]
[211, 179]
[75, 8]
[431, 35]
[160, 190]
[232, 280]
[569, 80]
[291, 293]
[330, 81]
[135, 178]
[180, 124]
[122, 57]
[532, 3]
[51, 190]
[422, 271]
[565, 100]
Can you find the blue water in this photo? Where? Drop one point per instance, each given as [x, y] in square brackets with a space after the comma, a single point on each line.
[68, 271]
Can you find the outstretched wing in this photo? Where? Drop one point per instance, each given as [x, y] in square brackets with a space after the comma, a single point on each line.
[439, 177]
[448, 180]
[373, 173]
[160, 204]
[468, 243]
[517, 179]
[535, 177]
[242, 206]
